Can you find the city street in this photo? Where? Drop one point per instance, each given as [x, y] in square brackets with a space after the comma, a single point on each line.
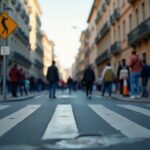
[74, 122]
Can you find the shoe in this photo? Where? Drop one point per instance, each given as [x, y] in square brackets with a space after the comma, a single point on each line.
[90, 97]
[138, 96]
[132, 97]
[50, 96]
[54, 97]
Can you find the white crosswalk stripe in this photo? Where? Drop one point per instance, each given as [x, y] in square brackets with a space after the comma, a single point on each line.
[140, 110]
[4, 107]
[12, 120]
[62, 124]
[127, 127]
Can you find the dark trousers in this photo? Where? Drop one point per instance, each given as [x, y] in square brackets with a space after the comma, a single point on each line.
[107, 86]
[22, 88]
[89, 86]
[144, 87]
[14, 86]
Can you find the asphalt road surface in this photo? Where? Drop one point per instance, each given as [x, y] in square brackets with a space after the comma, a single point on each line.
[74, 122]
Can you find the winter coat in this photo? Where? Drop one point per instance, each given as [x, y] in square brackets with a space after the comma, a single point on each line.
[145, 72]
[14, 74]
[52, 74]
[89, 75]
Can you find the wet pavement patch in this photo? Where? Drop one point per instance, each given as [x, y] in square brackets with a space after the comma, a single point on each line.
[93, 141]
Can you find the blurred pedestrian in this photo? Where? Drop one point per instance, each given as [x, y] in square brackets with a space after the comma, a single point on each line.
[135, 64]
[22, 86]
[108, 77]
[88, 79]
[14, 79]
[70, 84]
[123, 73]
[145, 74]
[52, 78]
[32, 83]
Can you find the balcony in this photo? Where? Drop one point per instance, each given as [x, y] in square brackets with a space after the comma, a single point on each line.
[98, 38]
[20, 58]
[99, 16]
[13, 2]
[38, 64]
[107, 2]
[104, 6]
[21, 36]
[39, 50]
[116, 48]
[115, 16]
[132, 1]
[142, 32]
[105, 29]
[18, 7]
[103, 57]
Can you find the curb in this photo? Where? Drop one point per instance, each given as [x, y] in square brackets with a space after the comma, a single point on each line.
[21, 98]
[128, 99]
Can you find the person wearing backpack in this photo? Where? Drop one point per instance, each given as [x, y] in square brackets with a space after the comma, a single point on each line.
[122, 74]
[145, 74]
[135, 64]
[108, 77]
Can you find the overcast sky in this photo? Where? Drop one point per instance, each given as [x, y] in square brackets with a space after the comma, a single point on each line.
[63, 22]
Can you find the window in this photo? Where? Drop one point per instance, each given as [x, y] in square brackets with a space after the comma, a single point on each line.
[114, 35]
[137, 16]
[130, 22]
[143, 11]
[124, 30]
[149, 7]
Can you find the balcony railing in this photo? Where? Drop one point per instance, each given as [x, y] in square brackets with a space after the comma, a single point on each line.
[38, 64]
[131, 1]
[99, 16]
[116, 48]
[107, 2]
[103, 57]
[104, 6]
[116, 15]
[105, 29]
[21, 35]
[13, 2]
[20, 58]
[141, 32]
[98, 38]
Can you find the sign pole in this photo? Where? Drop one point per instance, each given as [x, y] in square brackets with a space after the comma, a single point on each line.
[4, 76]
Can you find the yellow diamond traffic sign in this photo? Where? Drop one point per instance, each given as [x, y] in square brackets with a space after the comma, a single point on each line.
[7, 25]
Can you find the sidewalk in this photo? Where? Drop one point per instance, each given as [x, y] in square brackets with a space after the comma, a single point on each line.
[21, 98]
[127, 99]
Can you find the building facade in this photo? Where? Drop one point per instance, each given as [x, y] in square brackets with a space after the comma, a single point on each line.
[48, 49]
[18, 41]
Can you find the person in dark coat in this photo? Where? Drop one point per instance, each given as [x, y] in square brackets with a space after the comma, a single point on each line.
[70, 84]
[145, 74]
[52, 78]
[88, 79]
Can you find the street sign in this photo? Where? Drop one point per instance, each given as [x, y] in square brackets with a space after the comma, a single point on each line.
[7, 25]
[5, 50]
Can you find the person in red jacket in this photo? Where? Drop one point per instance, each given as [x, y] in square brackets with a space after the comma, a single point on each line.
[13, 74]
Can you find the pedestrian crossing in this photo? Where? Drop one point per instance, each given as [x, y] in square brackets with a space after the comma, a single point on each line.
[64, 124]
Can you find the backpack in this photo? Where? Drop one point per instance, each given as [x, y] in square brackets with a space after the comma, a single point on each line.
[123, 73]
[109, 75]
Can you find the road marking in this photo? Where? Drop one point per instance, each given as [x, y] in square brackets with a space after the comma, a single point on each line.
[12, 120]
[127, 127]
[62, 124]
[143, 111]
[4, 107]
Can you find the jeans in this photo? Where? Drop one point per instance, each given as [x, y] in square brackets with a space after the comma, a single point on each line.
[135, 83]
[52, 89]
[107, 86]
[144, 86]
[70, 88]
